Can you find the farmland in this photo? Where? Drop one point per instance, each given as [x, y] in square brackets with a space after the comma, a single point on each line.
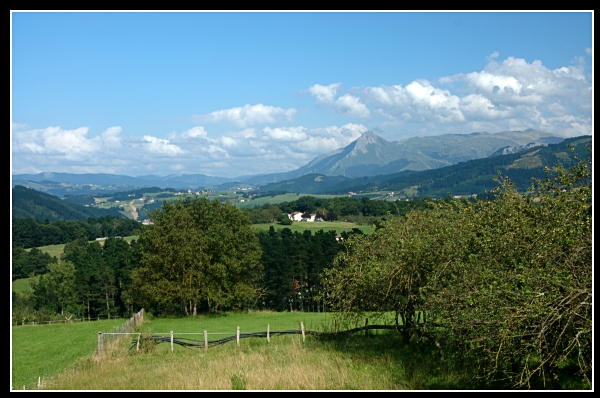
[375, 362]
[45, 350]
[338, 226]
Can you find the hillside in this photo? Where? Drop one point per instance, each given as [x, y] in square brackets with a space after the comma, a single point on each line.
[29, 203]
[371, 155]
[464, 178]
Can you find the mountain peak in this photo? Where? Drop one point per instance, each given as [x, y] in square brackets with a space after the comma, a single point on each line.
[367, 138]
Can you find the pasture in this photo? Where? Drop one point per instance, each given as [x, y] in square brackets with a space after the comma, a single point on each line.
[45, 350]
[338, 226]
[23, 285]
[379, 361]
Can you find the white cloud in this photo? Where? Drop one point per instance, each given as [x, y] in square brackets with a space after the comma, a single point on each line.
[285, 133]
[111, 138]
[588, 51]
[508, 93]
[346, 104]
[493, 55]
[161, 146]
[197, 131]
[248, 115]
[324, 94]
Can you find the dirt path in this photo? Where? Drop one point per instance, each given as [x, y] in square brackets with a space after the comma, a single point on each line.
[134, 212]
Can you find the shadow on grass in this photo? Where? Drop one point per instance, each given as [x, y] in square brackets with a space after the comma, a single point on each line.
[407, 364]
[419, 367]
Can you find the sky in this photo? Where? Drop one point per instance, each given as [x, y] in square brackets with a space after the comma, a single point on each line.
[240, 93]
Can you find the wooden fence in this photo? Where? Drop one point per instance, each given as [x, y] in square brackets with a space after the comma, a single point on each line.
[105, 338]
[205, 343]
[66, 320]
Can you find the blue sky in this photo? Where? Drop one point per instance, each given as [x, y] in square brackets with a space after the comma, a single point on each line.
[232, 94]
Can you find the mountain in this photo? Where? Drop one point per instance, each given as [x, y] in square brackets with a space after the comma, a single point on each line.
[29, 203]
[372, 155]
[464, 178]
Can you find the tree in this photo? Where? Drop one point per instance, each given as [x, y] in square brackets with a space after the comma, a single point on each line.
[197, 251]
[506, 285]
[61, 282]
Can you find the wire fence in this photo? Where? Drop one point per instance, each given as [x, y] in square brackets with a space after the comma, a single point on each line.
[66, 320]
[105, 339]
[205, 343]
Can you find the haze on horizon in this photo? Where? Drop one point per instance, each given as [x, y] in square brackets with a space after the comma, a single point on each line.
[232, 94]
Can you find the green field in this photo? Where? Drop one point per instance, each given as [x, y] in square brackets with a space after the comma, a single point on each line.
[45, 350]
[228, 323]
[22, 285]
[379, 361]
[338, 226]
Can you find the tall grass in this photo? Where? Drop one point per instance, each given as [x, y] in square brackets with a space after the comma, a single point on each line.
[376, 362]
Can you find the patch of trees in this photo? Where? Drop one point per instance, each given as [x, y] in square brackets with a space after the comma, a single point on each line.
[197, 255]
[91, 280]
[29, 263]
[293, 266]
[335, 208]
[264, 214]
[503, 287]
[28, 233]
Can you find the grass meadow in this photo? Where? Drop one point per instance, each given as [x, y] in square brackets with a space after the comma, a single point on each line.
[338, 226]
[45, 350]
[379, 361]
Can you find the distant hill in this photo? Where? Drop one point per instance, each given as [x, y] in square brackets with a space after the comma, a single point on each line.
[29, 203]
[464, 178]
[372, 155]
[88, 182]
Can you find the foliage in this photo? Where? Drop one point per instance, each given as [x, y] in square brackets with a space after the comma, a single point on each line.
[29, 203]
[27, 232]
[195, 252]
[506, 285]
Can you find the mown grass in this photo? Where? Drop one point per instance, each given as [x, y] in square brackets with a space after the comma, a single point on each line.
[23, 285]
[380, 361]
[337, 226]
[44, 350]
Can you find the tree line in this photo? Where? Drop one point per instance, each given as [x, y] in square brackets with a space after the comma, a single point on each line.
[28, 232]
[338, 208]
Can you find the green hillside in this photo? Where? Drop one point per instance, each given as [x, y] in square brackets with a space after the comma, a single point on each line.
[465, 178]
[29, 203]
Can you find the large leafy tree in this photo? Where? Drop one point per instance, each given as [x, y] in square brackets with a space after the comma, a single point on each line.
[506, 285]
[197, 252]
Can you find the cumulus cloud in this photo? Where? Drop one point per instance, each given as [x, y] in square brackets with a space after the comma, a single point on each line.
[197, 131]
[248, 115]
[161, 146]
[346, 104]
[324, 94]
[418, 101]
[588, 51]
[509, 93]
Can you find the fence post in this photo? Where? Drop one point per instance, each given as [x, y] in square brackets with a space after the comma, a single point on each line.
[366, 326]
[268, 332]
[205, 340]
[39, 382]
[238, 336]
[138, 342]
[171, 341]
[100, 342]
[302, 327]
